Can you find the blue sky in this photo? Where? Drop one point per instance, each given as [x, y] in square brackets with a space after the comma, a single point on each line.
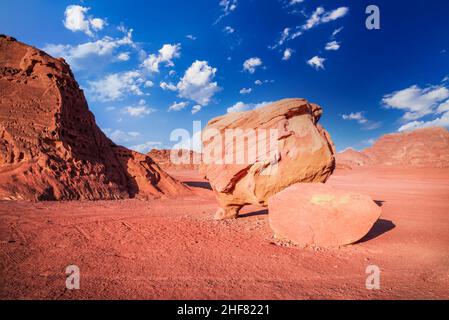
[149, 67]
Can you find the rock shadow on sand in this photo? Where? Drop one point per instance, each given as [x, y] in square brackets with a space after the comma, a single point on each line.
[199, 184]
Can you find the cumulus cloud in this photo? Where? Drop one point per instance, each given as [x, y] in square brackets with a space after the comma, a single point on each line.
[316, 62]
[442, 121]
[115, 86]
[166, 54]
[119, 136]
[190, 37]
[417, 102]
[251, 64]
[148, 84]
[147, 146]
[287, 54]
[196, 108]
[246, 91]
[76, 19]
[140, 110]
[91, 53]
[431, 102]
[362, 120]
[241, 106]
[197, 83]
[178, 106]
[168, 86]
[333, 45]
[124, 56]
[228, 29]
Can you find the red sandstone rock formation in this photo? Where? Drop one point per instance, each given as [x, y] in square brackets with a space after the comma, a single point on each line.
[427, 147]
[351, 158]
[50, 145]
[301, 152]
[162, 158]
[320, 215]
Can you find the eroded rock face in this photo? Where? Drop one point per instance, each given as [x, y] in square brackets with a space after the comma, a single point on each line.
[50, 145]
[321, 215]
[426, 147]
[351, 158]
[302, 151]
[188, 160]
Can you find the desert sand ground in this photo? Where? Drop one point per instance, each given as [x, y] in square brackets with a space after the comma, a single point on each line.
[165, 249]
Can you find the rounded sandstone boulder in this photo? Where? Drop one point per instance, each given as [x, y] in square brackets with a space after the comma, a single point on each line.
[316, 214]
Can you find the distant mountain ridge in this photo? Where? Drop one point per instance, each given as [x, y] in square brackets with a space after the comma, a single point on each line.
[426, 147]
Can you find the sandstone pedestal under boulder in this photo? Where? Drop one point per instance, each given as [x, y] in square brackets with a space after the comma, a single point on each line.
[321, 215]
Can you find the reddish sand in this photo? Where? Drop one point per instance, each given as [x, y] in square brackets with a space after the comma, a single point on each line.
[162, 249]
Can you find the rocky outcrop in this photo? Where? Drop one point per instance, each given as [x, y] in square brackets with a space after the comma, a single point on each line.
[426, 147]
[321, 215]
[290, 147]
[351, 158]
[189, 160]
[50, 145]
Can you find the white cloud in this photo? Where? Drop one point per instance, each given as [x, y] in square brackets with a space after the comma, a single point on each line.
[168, 86]
[115, 86]
[229, 29]
[417, 102]
[197, 85]
[140, 110]
[91, 53]
[124, 56]
[246, 91]
[119, 136]
[148, 84]
[190, 37]
[241, 106]
[166, 54]
[319, 16]
[258, 82]
[178, 106]
[333, 45]
[316, 63]
[251, 64]
[336, 31]
[355, 116]
[443, 107]
[442, 121]
[227, 6]
[362, 120]
[146, 147]
[287, 54]
[76, 19]
[293, 2]
[196, 108]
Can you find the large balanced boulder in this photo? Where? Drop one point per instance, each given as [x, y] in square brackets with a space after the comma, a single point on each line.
[50, 145]
[316, 214]
[290, 147]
